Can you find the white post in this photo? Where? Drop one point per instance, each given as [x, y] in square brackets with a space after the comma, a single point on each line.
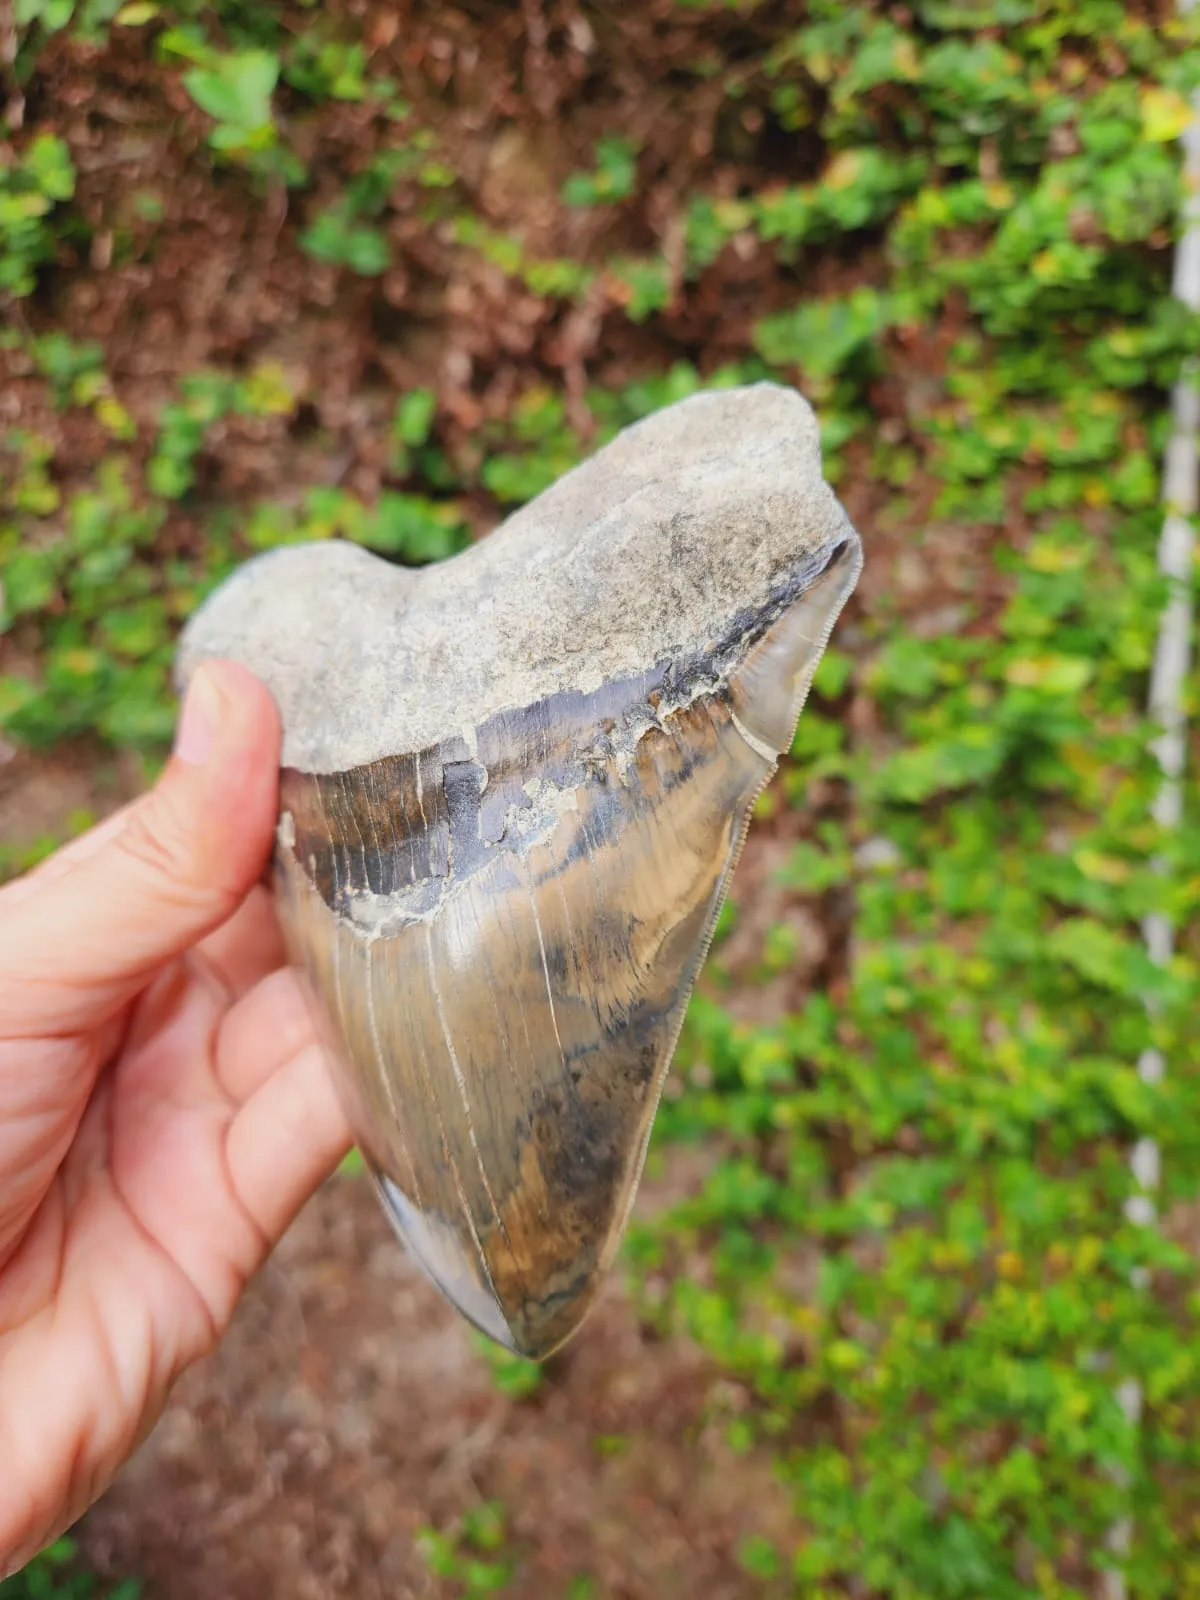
[1172, 658]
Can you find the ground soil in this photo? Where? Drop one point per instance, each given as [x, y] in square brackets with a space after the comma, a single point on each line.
[347, 1408]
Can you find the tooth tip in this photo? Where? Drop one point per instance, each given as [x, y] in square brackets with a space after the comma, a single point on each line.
[526, 1326]
[439, 1253]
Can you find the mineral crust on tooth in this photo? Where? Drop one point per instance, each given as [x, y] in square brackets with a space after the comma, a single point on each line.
[514, 788]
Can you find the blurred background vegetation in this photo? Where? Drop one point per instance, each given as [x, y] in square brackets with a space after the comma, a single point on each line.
[382, 272]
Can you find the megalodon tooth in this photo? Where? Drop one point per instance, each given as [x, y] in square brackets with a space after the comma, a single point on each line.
[515, 784]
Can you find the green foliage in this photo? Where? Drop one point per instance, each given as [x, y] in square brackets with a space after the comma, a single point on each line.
[337, 238]
[412, 424]
[614, 177]
[57, 1575]
[41, 178]
[512, 1374]
[760, 1558]
[105, 656]
[348, 233]
[945, 1145]
[471, 1555]
[236, 89]
[822, 337]
[553, 278]
[68, 367]
[21, 856]
[859, 188]
[80, 569]
[207, 398]
[328, 68]
[37, 21]
[643, 285]
[236, 92]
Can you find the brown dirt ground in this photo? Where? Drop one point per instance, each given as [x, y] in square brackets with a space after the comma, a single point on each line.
[347, 1408]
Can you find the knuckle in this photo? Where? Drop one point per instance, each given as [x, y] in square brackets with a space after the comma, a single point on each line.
[180, 861]
[156, 842]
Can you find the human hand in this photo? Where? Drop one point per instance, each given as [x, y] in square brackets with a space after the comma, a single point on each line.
[164, 1107]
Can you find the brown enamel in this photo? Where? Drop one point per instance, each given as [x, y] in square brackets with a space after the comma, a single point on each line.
[504, 934]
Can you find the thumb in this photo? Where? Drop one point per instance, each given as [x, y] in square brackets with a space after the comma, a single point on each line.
[76, 949]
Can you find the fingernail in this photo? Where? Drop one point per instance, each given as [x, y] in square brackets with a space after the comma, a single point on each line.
[200, 719]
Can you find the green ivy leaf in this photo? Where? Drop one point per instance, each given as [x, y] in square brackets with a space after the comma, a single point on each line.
[237, 89]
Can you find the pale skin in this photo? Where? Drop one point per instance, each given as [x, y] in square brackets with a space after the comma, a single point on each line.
[165, 1107]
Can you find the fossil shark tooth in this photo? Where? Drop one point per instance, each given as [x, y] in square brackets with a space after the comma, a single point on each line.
[514, 788]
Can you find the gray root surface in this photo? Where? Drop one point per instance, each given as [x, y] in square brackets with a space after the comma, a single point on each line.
[641, 555]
